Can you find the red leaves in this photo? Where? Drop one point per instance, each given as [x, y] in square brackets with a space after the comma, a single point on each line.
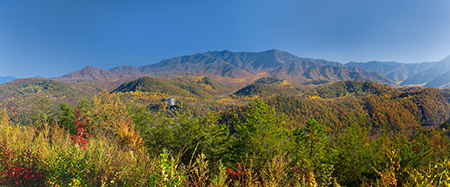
[238, 177]
[235, 176]
[19, 174]
[14, 173]
[81, 137]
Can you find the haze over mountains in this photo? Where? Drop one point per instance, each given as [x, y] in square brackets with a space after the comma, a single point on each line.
[430, 74]
[6, 79]
[237, 69]
[427, 74]
[395, 71]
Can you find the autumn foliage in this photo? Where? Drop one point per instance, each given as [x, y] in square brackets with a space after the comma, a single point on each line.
[349, 133]
[81, 138]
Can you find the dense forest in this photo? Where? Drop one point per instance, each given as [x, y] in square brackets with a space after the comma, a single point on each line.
[269, 133]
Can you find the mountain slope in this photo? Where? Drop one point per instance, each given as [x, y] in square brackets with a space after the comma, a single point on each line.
[19, 95]
[429, 73]
[126, 71]
[366, 103]
[267, 87]
[441, 81]
[186, 86]
[6, 79]
[151, 84]
[88, 73]
[245, 67]
[200, 85]
[353, 88]
[392, 70]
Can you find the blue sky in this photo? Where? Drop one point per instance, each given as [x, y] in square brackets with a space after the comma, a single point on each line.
[54, 37]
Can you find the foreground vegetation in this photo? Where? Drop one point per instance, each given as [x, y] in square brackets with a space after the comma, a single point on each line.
[104, 142]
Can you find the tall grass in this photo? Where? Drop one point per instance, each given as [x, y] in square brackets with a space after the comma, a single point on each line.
[54, 160]
[51, 156]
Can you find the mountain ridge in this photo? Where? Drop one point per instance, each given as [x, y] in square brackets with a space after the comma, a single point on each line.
[238, 66]
[394, 71]
[429, 73]
[88, 73]
[187, 86]
[426, 74]
[6, 79]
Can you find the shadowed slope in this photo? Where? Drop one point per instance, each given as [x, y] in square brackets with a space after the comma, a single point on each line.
[88, 73]
[244, 67]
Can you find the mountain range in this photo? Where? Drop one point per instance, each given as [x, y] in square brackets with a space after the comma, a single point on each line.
[236, 69]
[222, 79]
[394, 71]
[426, 74]
[431, 74]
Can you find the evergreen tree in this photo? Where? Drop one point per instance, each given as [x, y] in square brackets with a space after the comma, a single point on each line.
[262, 135]
[311, 143]
[352, 156]
[67, 118]
[42, 113]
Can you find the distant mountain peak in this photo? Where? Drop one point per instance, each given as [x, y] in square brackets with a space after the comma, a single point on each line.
[88, 73]
[6, 79]
[239, 68]
[90, 67]
[274, 50]
[278, 52]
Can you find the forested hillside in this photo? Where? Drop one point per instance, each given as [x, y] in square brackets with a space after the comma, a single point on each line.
[373, 105]
[21, 96]
[268, 87]
[272, 132]
[186, 86]
[107, 142]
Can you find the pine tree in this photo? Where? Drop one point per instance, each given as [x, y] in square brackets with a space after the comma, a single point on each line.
[310, 143]
[43, 114]
[262, 135]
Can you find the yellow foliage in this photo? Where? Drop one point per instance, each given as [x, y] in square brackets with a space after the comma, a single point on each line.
[434, 175]
[315, 97]
[4, 119]
[109, 114]
[285, 82]
[128, 137]
[206, 86]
